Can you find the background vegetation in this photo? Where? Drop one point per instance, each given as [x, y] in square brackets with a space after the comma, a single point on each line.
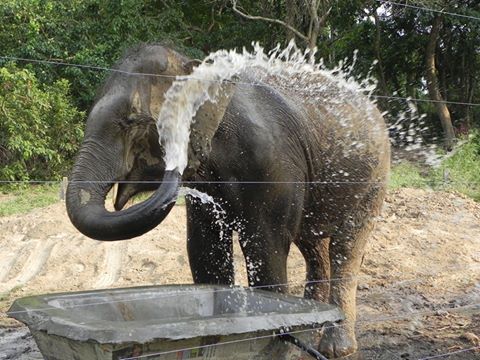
[40, 128]
[420, 54]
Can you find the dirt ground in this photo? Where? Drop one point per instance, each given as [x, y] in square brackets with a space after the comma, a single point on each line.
[418, 292]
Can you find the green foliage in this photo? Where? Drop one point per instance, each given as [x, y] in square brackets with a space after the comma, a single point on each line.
[407, 175]
[40, 129]
[25, 199]
[88, 32]
[213, 25]
[458, 172]
[461, 171]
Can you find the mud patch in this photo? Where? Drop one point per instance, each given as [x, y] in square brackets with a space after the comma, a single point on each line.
[18, 344]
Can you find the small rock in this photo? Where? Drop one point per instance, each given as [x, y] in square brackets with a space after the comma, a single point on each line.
[181, 260]
[441, 313]
[472, 338]
[363, 287]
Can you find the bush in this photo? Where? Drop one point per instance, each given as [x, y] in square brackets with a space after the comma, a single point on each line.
[40, 130]
[407, 175]
[461, 171]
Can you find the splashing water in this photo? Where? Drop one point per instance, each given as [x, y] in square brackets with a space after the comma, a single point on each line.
[218, 212]
[408, 131]
[203, 197]
[290, 68]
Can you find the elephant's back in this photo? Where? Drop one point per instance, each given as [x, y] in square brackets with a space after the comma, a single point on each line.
[344, 130]
[314, 137]
[259, 138]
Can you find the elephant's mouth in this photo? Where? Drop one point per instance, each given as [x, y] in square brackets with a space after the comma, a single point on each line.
[123, 192]
[136, 187]
[121, 195]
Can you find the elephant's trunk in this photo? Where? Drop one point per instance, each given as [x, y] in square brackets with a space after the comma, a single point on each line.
[85, 203]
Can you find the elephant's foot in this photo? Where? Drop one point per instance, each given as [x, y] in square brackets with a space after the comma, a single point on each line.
[337, 341]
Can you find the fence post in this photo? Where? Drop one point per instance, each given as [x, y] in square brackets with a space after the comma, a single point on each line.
[63, 188]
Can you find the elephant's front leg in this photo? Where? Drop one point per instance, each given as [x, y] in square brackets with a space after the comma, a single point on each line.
[209, 246]
[271, 221]
[265, 250]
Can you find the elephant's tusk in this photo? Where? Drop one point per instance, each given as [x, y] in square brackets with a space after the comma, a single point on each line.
[114, 193]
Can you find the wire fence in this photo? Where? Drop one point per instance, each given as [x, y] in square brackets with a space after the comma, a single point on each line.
[326, 183]
[406, 315]
[432, 182]
[129, 73]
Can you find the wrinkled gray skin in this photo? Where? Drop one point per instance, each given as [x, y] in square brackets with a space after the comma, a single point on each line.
[254, 134]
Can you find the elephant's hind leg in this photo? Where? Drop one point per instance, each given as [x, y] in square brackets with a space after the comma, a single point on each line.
[339, 340]
[347, 247]
[209, 246]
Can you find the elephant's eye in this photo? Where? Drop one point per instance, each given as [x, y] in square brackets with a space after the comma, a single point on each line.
[126, 121]
[140, 120]
[130, 119]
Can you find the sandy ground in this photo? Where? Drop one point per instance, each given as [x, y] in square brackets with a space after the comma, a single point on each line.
[419, 289]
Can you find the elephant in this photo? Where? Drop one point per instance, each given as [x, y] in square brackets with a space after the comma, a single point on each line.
[284, 170]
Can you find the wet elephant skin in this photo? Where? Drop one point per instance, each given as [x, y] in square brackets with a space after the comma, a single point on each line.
[285, 171]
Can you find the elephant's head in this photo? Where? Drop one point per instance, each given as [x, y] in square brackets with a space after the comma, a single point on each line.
[121, 146]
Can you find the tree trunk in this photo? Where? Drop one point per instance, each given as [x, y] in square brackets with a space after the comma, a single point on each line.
[291, 17]
[317, 22]
[470, 92]
[314, 28]
[382, 83]
[433, 86]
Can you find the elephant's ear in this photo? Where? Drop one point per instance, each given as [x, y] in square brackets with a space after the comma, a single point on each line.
[204, 127]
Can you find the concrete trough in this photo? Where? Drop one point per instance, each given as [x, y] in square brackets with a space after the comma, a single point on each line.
[170, 322]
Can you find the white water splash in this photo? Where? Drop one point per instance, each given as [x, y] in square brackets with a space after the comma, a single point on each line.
[291, 69]
[204, 198]
[408, 132]
[218, 213]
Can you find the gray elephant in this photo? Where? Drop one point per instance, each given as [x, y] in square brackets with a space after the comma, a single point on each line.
[284, 170]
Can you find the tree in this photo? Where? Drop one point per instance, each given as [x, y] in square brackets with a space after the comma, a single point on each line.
[315, 15]
[433, 84]
[427, 54]
[86, 32]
